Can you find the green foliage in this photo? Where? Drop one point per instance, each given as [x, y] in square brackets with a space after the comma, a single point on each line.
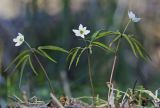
[74, 54]
[85, 48]
[52, 48]
[41, 51]
[78, 51]
[107, 33]
[25, 57]
[136, 47]
[20, 56]
[21, 72]
[31, 65]
[44, 54]
[20, 62]
[102, 46]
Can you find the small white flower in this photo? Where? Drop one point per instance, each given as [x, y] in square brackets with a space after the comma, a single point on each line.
[82, 31]
[19, 39]
[133, 17]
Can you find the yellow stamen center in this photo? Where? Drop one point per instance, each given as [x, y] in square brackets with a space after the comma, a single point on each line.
[81, 32]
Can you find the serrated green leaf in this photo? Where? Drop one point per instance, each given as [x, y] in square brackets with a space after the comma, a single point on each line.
[22, 54]
[54, 48]
[108, 33]
[73, 57]
[103, 46]
[80, 55]
[22, 71]
[47, 56]
[31, 65]
[130, 43]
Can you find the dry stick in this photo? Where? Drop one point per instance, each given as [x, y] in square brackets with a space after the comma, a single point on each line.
[56, 100]
[115, 59]
[49, 82]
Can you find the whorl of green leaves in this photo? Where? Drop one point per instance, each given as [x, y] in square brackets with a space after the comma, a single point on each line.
[136, 46]
[75, 53]
[25, 57]
[94, 41]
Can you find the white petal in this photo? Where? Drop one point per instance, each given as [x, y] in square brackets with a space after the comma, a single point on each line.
[19, 34]
[82, 36]
[131, 15]
[18, 44]
[15, 40]
[84, 28]
[136, 19]
[86, 32]
[78, 34]
[80, 27]
[75, 31]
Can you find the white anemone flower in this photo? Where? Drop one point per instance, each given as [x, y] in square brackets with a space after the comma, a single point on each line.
[133, 17]
[19, 39]
[82, 31]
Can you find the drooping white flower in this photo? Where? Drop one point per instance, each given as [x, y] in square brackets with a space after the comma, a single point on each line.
[133, 17]
[19, 39]
[82, 31]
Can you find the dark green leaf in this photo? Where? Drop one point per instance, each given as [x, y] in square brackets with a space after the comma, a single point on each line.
[47, 56]
[130, 43]
[140, 49]
[71, 52]
[114, 40]
[20, 61]
[31, 65]
[103, 46]
[21, 72]
[73, 56]
[80, 55]
[22, 54]
[54, 48]
[108, 33]
[94, 35]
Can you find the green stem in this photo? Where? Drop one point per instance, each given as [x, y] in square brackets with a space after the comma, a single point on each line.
[90, 72]
[40, 64]
[126, 27]
[115, 58]
[90, 76]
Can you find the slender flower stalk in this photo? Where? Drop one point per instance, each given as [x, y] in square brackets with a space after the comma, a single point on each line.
[40, 64]
[19, 40]
[90, 76]
[90, 72]
[82, 32]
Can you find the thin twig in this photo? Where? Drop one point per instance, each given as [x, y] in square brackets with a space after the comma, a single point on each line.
[54, 99]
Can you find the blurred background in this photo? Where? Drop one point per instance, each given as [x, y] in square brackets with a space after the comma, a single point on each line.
[50, 22]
